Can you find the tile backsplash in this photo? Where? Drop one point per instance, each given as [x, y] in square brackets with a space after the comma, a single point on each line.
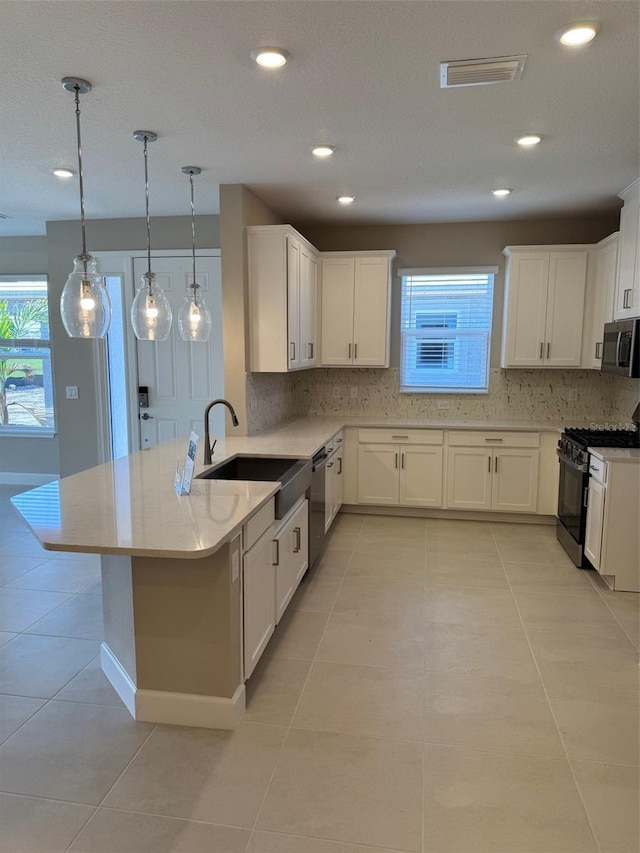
[576, 396]
[270, 399]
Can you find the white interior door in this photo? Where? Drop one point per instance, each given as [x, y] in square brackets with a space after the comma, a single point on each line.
[182, 377]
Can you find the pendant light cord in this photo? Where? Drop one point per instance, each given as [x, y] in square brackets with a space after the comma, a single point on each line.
[80, 178]
[193, 242]
[146, 197]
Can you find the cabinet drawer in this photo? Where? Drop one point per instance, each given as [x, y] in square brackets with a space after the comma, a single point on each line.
[258, 523]
[400, 436]
[598, 469]
[469, 438]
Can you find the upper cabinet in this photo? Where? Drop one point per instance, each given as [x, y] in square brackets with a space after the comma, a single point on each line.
[627, 299]
[544, 306]
[282, 294]
[601, 286]
[356, 308]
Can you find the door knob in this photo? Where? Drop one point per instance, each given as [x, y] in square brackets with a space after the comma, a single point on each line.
[146, 417]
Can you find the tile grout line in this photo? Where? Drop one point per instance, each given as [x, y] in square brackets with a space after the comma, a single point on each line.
[551, 711]
[610, 609]
[295, 710]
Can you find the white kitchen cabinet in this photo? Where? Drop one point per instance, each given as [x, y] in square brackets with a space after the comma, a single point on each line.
[282, 299]
[291, 557]
[627, 301]
[356, 308]
[394, 469]
[600, 298]
[259, 594]
[489, 471]
[334, 479]
[612, 541]
[544, 306]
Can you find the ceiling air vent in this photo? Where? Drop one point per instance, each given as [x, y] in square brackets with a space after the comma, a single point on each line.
[478, 72]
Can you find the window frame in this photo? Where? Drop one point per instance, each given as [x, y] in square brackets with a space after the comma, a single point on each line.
[18, 430]
[455, 334]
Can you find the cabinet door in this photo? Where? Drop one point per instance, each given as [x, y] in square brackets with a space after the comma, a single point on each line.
[283, 568]
[293, 302]
[515, 480]
[371, 312]
[259, 609]
[628, 285]
[308, 284]
[300, 543]
[420, 476]
[329, 487]
[605, 284]
[565, 309]
[338, 483]
[378, 470]
[525, 311]
[337, 310]
[469, 478]
[595, 523]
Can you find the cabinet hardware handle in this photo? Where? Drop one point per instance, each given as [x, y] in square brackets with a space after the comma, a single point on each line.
[495, 466]
[276, 542]
[548, 350]
[396, 460]
[329, 464]
[598, 345]
[592, 468]
[626, 304]
[310, 350]
[296, 547]
[402, 459]
[355, 351]
[585, 498]
[293, 351]
[541, 349]
[493, 439]
[489, 464]
[349, 351]
[339, 440]
[340, 463]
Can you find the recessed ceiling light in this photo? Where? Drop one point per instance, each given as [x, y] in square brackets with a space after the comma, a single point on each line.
[346, 199]
[63, 173]
[323, 151]
[502, 191]
[529, 140]
[270, 57]
[577, 34]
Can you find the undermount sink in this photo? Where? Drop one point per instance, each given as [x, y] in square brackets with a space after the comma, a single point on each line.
[294, 475]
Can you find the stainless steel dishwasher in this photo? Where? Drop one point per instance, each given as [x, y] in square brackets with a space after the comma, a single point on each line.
[317, 500]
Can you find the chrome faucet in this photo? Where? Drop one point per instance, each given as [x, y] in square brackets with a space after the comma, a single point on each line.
[208, 447]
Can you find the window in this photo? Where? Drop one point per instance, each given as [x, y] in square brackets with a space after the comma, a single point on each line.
[26, 391]
[446, 330]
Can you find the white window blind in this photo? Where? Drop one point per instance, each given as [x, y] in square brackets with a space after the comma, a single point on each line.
[446, 330]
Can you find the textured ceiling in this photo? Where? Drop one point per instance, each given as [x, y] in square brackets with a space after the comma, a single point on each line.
[363, 76]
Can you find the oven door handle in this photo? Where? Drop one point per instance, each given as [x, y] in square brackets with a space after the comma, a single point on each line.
[574, 465]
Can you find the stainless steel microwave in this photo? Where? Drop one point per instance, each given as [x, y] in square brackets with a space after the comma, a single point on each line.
[621, 348]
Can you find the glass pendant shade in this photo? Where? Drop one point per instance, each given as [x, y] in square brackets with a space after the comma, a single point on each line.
[151, 313]
[85, 306]
[194, 316]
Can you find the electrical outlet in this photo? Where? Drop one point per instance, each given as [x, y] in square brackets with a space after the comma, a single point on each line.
[336, 392]
[572, 395]
[443, 404]
[71, 392]
[354, 392]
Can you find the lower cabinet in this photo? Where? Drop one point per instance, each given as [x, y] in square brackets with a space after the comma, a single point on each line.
[399, 472]
[504, 479]
[291, 557]
[334, 483]
[259, 599]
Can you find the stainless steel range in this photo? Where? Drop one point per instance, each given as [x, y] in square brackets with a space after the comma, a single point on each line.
[573, 453]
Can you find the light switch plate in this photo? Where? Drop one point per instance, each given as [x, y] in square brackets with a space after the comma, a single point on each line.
[71, 392]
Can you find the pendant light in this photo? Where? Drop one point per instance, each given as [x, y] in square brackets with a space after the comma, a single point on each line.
[85, 307]
[150, 313]
[194, 316]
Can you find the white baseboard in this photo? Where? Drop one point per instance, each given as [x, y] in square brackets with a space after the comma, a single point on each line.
[179, 709]
[11, 478]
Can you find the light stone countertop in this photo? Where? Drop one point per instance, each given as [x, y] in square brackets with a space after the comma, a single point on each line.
[617, 454]
[129, 506]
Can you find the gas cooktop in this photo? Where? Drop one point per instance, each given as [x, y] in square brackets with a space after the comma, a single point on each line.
[603, 437]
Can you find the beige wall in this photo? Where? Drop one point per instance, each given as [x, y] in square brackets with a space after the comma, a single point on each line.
[238, 208]
[73, 359]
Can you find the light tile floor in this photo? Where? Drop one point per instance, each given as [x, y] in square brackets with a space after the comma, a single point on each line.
[436, 687]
